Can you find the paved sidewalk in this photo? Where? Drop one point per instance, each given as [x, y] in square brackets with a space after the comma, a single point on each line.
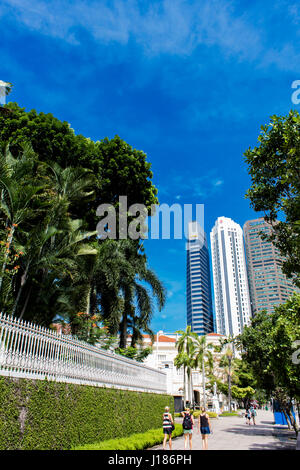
[232, 433]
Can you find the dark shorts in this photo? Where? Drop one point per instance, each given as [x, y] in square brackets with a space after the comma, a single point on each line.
[168, 431]
[204, 430]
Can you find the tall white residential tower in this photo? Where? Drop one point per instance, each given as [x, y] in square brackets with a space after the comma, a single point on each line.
[231, 291]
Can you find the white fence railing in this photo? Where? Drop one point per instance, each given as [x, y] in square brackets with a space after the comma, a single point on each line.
[33, 352]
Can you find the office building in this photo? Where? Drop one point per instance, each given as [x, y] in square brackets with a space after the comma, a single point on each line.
[268, 285]
[199, 300]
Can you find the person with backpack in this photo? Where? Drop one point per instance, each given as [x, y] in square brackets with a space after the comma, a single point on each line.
[248, 416]
[168, 427]
[253, 414]
[204, 427]
[187, 424]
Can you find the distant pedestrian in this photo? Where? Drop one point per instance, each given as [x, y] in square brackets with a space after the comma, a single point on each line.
[187, 424]
[168, 426]
[253, 414]
[204, 427]
[248, 416]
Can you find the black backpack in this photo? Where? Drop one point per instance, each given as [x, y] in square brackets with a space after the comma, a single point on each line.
[187, 421]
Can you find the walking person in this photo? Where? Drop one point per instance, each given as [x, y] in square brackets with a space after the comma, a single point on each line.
[187, 424]
[204, 427]
[253, 414]
[168, 427]
[248, 416]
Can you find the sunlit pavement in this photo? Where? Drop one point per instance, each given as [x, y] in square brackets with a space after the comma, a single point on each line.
[232, 433]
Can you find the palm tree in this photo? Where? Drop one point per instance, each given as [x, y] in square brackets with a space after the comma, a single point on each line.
[138, 304]
[227, 362]
[202, 355]
[186, 344]
[21, 201]
[50, 256]
[37, 201]
[227, 365]
[116, 280]
[19, 195]
[181, 360]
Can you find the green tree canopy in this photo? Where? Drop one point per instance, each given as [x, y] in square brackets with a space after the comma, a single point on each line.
[269, 348]
[119, 169]
[274, 167]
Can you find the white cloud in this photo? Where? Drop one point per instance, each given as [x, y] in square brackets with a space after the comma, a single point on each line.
[175, 27]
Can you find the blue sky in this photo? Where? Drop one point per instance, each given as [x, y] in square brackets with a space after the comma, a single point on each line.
[188, 82]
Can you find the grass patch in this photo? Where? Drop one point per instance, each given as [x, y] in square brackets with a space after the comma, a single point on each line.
[211, 414]
[139, 441]
[229, 413]
[196, 414]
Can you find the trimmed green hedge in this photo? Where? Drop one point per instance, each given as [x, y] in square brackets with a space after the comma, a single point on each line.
[50, 415]
[134, 442]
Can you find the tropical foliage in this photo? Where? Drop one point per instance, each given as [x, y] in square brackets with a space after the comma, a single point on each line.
[185, 358]
[270, 350]
[194, 354]
[53, 267]
[274, 168]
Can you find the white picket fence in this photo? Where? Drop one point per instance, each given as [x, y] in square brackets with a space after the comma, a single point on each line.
[33, 352]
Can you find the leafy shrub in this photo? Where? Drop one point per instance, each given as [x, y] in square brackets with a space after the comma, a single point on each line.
[133, 442]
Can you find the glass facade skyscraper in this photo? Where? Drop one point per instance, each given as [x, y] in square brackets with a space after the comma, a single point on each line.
[199, 300]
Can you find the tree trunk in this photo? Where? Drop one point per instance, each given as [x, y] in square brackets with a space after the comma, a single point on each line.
[123, 332]
[10, 238]
[23, 281]
[203, 384]
[184, 387]
[88, 300]
[25, 304]
[188, 386]
[192, 390]
[229, 392]
[292, 420]
[286, 417]
[298, 408]
[124, 322]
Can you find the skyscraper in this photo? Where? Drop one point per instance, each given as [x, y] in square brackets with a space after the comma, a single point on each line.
[232, 299]
[199, 303]
[268, 285]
